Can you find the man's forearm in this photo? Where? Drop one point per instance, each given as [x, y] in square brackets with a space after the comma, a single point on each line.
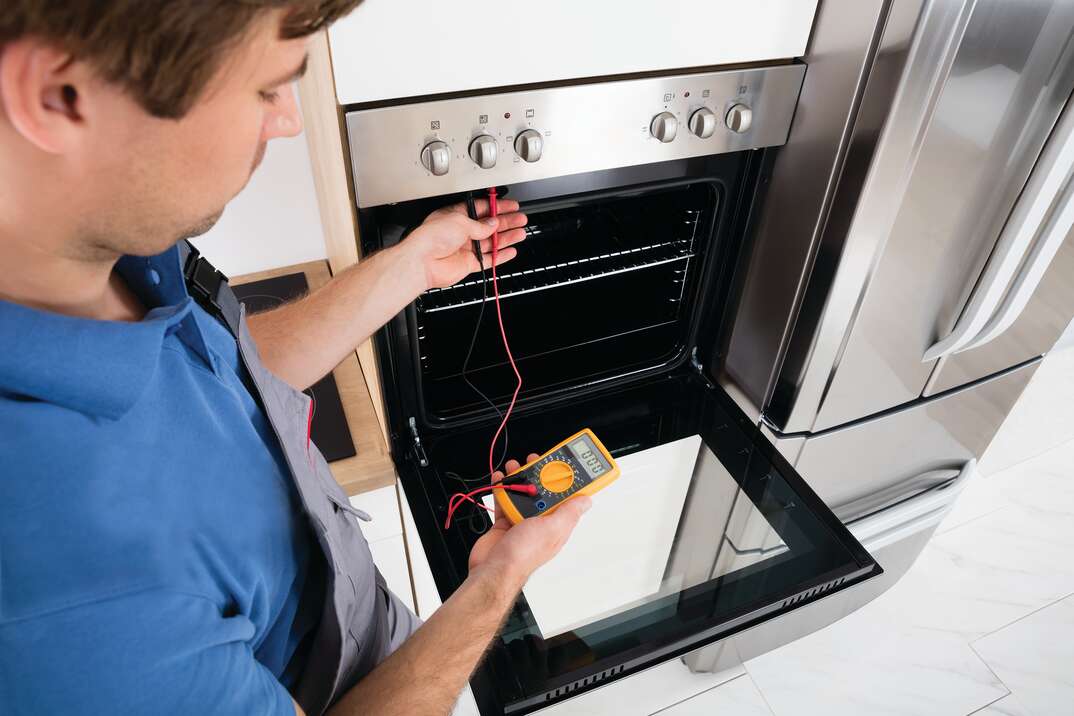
[429, 671]
[304, 340]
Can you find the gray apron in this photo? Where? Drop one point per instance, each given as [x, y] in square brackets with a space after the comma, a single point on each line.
[362, 622]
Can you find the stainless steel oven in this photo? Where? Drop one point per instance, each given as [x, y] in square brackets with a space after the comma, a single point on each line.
[643, 194]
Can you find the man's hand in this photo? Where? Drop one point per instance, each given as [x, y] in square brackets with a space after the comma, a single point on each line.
[441, 245]
[301, 341]
[520, 549]
[418, 679]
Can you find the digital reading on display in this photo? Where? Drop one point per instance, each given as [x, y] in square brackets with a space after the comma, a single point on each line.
[589, 457]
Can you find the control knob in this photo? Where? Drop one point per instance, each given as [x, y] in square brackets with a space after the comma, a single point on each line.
[664, 127]
[528, 145]
[739, 118]
[483, 151]
[436, 157]
[703, 122]
[557, 476]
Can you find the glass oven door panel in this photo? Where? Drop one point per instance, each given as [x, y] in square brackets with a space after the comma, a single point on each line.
[618, 555]
[706, 532]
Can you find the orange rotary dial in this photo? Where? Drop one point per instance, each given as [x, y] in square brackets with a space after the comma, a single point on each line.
[557, 476]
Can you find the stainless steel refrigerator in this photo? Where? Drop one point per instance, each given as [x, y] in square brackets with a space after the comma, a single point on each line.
[913, 264]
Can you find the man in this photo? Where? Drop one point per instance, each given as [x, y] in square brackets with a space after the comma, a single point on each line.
[165, 543]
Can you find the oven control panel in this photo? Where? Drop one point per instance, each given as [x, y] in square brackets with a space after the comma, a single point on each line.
[429, 148]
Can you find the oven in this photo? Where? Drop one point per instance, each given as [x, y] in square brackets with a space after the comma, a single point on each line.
[642, 195]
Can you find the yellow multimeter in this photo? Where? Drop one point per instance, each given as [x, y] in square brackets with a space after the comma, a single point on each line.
[580, 465]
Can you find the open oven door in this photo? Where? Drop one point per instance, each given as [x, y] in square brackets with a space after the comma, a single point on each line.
[707, 532]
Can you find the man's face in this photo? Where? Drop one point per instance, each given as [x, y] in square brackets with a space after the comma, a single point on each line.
[154, 181]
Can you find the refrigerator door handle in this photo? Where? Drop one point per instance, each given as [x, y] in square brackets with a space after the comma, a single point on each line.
[1036, 229]
[1053, 233]
[901, 520]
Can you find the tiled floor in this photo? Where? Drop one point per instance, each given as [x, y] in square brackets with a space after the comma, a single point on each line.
[982, 624]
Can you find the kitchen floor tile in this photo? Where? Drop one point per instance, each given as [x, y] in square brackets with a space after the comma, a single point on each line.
[1007, 706]
[979, 576]
[1044, 482]
[986, 574]
[1035, 659]
[644, 693]
[872, 663]
[738, 697]
[982, 496]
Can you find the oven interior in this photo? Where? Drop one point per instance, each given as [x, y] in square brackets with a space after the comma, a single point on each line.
[610, 284]
[600, 289]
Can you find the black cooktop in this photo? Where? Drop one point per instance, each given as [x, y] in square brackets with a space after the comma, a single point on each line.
[330, 431]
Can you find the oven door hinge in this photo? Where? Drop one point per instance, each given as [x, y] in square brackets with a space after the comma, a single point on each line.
[695, 363]
[419, 451]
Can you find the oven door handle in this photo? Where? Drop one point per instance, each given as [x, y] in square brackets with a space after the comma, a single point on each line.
[1036, 229]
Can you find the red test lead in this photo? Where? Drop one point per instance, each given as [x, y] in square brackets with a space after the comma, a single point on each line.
[459, 497]
[494, 212]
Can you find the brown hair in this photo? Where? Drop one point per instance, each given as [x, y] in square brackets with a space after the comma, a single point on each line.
[163, 52]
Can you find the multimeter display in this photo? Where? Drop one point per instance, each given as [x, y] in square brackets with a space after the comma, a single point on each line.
[589, 457]
[579, 465]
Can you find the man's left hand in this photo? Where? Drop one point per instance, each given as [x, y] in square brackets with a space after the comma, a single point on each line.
[441, 245]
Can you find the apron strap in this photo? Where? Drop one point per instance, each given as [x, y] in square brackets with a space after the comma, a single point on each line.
[209, 287]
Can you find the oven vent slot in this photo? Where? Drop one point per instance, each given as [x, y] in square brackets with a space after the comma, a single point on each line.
[559, 274]
[814, 592]
[564, 690]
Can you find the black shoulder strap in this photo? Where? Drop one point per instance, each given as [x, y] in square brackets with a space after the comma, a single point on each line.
[209, 287]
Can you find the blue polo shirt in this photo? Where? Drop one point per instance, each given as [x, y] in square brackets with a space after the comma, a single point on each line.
[154, 556]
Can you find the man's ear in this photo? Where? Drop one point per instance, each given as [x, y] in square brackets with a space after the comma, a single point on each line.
[41, 93]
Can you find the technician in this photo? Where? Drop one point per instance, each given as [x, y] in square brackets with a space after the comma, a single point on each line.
[170, 542]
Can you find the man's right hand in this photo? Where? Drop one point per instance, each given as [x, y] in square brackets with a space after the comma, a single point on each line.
[518, 550]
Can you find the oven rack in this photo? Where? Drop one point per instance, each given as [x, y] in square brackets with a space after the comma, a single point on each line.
[556, 275]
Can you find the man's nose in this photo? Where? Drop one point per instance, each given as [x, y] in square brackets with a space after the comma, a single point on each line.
[286, 120]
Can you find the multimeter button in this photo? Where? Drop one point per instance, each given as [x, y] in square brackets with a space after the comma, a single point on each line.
[557, 476]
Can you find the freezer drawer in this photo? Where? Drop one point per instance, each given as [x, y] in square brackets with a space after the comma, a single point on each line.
[885, 453]
[707, 532]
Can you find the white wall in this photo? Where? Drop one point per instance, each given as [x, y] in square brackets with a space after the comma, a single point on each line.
[274, 221]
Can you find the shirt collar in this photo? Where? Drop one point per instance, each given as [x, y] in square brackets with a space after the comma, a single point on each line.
[94, 367]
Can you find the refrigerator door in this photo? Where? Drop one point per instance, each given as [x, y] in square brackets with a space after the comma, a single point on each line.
[1016, 314]
[983, 85]
[871, 457]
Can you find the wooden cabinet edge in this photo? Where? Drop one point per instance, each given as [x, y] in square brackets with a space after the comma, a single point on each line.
[372, 466]
[326, 140]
